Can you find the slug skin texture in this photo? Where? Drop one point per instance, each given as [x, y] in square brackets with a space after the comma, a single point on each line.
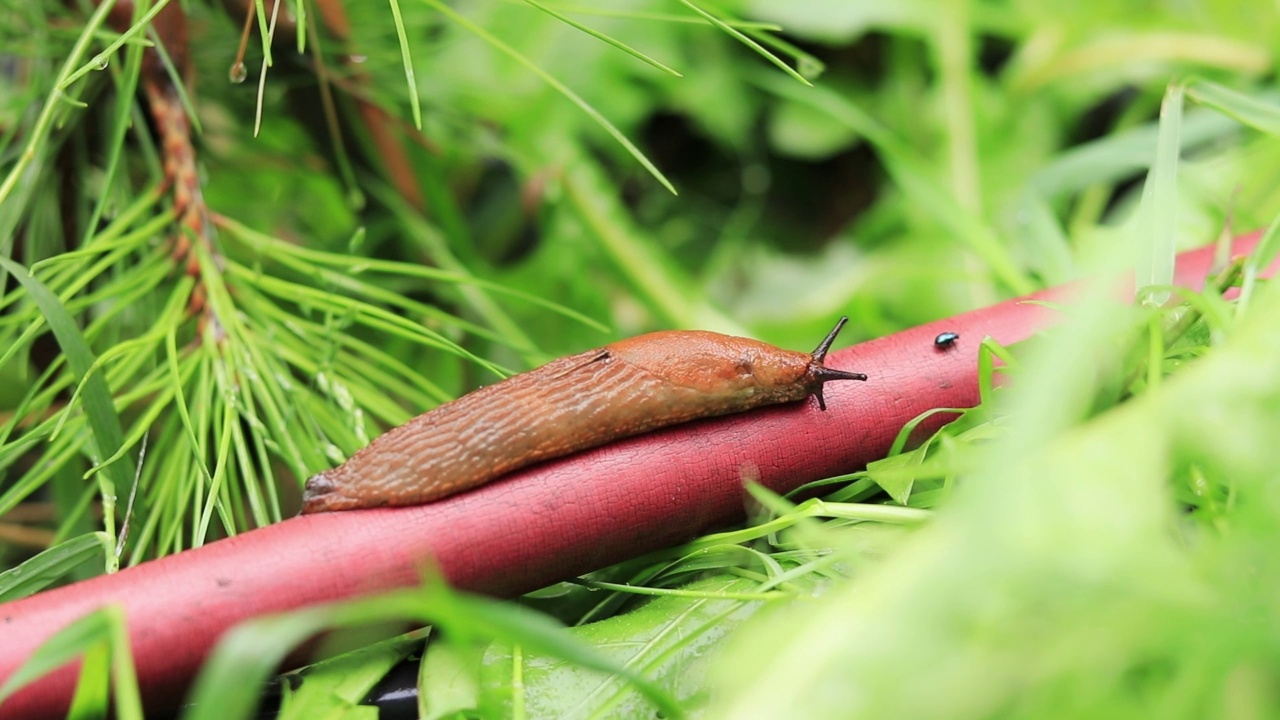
[568, 405]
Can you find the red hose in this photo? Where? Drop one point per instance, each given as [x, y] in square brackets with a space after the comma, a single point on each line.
[534, 528]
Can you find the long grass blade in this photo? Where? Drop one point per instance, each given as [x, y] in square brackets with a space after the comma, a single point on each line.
[740, 37]
[560, 87]
[604, 38]
[98, 405]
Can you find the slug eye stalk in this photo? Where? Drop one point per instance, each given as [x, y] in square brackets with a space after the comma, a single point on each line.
[822, 374]
[820, 354]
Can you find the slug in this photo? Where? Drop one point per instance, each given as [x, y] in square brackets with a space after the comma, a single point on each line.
[571, 404]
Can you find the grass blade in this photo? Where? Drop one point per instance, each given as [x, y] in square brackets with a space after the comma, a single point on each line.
[99, 61]
[410, 79]
[559, 87]
[604, 38]
[105, 626]
[40, 571]
[737, 35]
[1158, 212]
[1247, 109]
[98, 405]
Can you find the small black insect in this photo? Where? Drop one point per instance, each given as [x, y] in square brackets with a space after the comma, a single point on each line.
[945, 340]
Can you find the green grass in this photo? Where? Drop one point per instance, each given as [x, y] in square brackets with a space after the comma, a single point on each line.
[1097, 538]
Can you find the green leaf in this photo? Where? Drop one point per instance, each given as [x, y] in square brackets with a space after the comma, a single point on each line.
[248, 653]
[1251, 110]
[98, 405]
[102, 627]
[1159, 209]
[672, 639]
[50, 565]
[339, 685]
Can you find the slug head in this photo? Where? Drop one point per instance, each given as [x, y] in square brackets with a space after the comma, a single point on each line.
[734, 372]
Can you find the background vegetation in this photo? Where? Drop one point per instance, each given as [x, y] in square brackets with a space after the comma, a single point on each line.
[1110, 549]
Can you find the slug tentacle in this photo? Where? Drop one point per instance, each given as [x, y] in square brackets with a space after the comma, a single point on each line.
[821, 374]
[820, 353]
[571, 404]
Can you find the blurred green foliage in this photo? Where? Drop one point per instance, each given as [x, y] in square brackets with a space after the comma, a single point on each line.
[1100, 533]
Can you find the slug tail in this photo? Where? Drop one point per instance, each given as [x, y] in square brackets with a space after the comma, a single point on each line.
[322, 494]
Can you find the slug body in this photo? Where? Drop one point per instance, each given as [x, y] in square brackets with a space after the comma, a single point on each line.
[570, 404]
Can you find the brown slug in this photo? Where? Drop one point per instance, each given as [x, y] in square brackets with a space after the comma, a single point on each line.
[571, 404]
